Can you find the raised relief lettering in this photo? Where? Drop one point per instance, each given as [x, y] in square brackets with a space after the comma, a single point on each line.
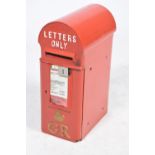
[60, 40]
[58, 129]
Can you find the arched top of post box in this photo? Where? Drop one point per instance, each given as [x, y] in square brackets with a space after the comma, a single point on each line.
[77, 31]
[90, 23]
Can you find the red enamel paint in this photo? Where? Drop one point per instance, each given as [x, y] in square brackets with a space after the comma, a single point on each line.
[75, 70]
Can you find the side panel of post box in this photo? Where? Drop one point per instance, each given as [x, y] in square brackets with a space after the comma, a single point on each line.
[96, 86]
[72, 114]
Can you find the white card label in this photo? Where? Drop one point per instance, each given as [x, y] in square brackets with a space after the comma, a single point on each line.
[59, 81]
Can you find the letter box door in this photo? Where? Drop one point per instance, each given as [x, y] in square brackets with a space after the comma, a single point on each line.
[62, 97]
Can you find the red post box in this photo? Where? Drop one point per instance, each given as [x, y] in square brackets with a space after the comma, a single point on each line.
[75, 69]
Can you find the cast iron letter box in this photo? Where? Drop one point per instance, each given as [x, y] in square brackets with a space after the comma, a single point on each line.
[75, 70]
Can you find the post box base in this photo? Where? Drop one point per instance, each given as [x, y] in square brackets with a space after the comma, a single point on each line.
[83, 134]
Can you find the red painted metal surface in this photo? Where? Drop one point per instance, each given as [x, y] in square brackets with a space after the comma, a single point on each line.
[81, 42]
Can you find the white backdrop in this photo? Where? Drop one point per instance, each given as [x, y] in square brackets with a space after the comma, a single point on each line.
[110, 136]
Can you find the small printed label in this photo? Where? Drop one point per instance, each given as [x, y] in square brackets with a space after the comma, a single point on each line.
[59, 84]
